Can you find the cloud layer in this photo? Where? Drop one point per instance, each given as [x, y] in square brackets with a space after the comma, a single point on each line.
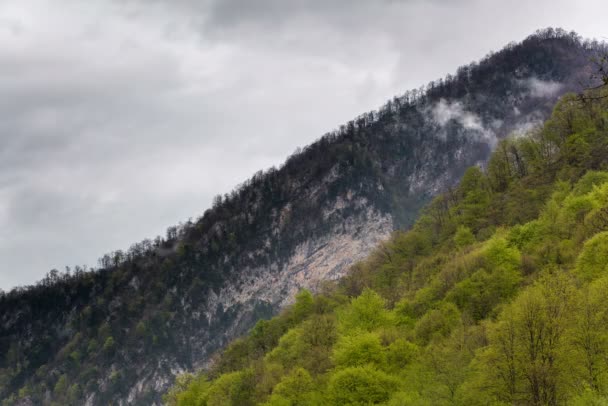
[119, 118]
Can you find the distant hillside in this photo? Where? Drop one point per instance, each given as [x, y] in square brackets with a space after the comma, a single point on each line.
[496, 296]
[120, 334]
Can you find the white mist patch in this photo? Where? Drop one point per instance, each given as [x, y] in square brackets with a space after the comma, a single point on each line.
[542, 88]
[527, 124]
[444, 112]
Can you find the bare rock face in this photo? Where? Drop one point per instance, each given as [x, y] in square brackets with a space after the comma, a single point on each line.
[272, 287]
[120, 334]
[312, 262]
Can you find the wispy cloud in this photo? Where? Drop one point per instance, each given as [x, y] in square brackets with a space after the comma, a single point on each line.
[443, 112]
[542, 88]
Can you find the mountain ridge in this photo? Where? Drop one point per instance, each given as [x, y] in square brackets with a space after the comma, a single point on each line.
[496, 296]
[210, 280]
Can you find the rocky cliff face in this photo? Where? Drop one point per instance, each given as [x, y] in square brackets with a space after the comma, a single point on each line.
[119, 335]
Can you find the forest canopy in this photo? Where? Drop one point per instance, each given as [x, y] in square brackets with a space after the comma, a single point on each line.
[495, 296]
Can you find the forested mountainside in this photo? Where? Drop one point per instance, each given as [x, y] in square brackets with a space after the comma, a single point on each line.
[119, 334]
[496, 296]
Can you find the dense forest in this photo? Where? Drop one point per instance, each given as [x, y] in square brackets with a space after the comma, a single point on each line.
[121, 333]
[496, 296]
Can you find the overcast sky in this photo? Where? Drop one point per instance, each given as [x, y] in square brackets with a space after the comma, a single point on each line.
[120, 118]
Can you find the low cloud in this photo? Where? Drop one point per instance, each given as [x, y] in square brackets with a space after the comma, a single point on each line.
[443, 112]
[542, 88]
[528, 123]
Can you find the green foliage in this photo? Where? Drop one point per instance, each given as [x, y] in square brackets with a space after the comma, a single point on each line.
[589, 181]
[294, 389]
[181, 387]
[61, 386]
[500, 257]
[303, 306]
[437, 323]
[144, 306]
[289, 348]
[109, 344]
[366, 313]
[496, 282]
[525, 235]
[235, 389]
[463, 237]
[360, 386]
[593, 260]
[528, 355]
[359, 350]
[475, 199]
[496, 296]
[400, 353]
[589, 398]
[74, 394]
[408, 399]
[589, 336]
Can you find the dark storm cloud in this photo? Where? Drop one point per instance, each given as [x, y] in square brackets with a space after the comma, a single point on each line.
[119, 118]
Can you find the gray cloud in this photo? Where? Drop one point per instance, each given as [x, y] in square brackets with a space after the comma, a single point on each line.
[119, 118]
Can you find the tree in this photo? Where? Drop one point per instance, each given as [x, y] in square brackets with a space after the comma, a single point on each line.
[303, 305]
[471, 211]
[593, 260]
[295, 388]
[365, 313]
[463, 237]
[589, 335]
[500, 168]
[527, 360]
[437, 323]
[358, 350]
[61, 386]
[362, 385]
[109, 345]
[234, 388]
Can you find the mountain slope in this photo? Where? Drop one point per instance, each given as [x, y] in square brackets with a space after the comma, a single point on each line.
[496, 296]
[121, 333]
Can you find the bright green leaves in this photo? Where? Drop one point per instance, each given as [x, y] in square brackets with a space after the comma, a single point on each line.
[496, 296]
[593, 260]
[303, 306]
[294, 389]
[365, 313]
[463, 237]
[290, 348]
[589, 336]
[496, 280]
[308, 346]
[589, 181]
[401, 353]
[232, 389]
[500, 256]
[359, 350]
[527, 358]
[188, 390]
[363, 385]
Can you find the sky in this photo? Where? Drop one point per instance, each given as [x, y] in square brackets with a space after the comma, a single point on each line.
[121, 118]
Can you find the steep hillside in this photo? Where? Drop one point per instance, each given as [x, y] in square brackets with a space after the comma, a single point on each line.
[119, 334]
[496, 296]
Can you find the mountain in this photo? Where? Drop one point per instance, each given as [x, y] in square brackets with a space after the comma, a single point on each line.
[496, 296]
[119, 334]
